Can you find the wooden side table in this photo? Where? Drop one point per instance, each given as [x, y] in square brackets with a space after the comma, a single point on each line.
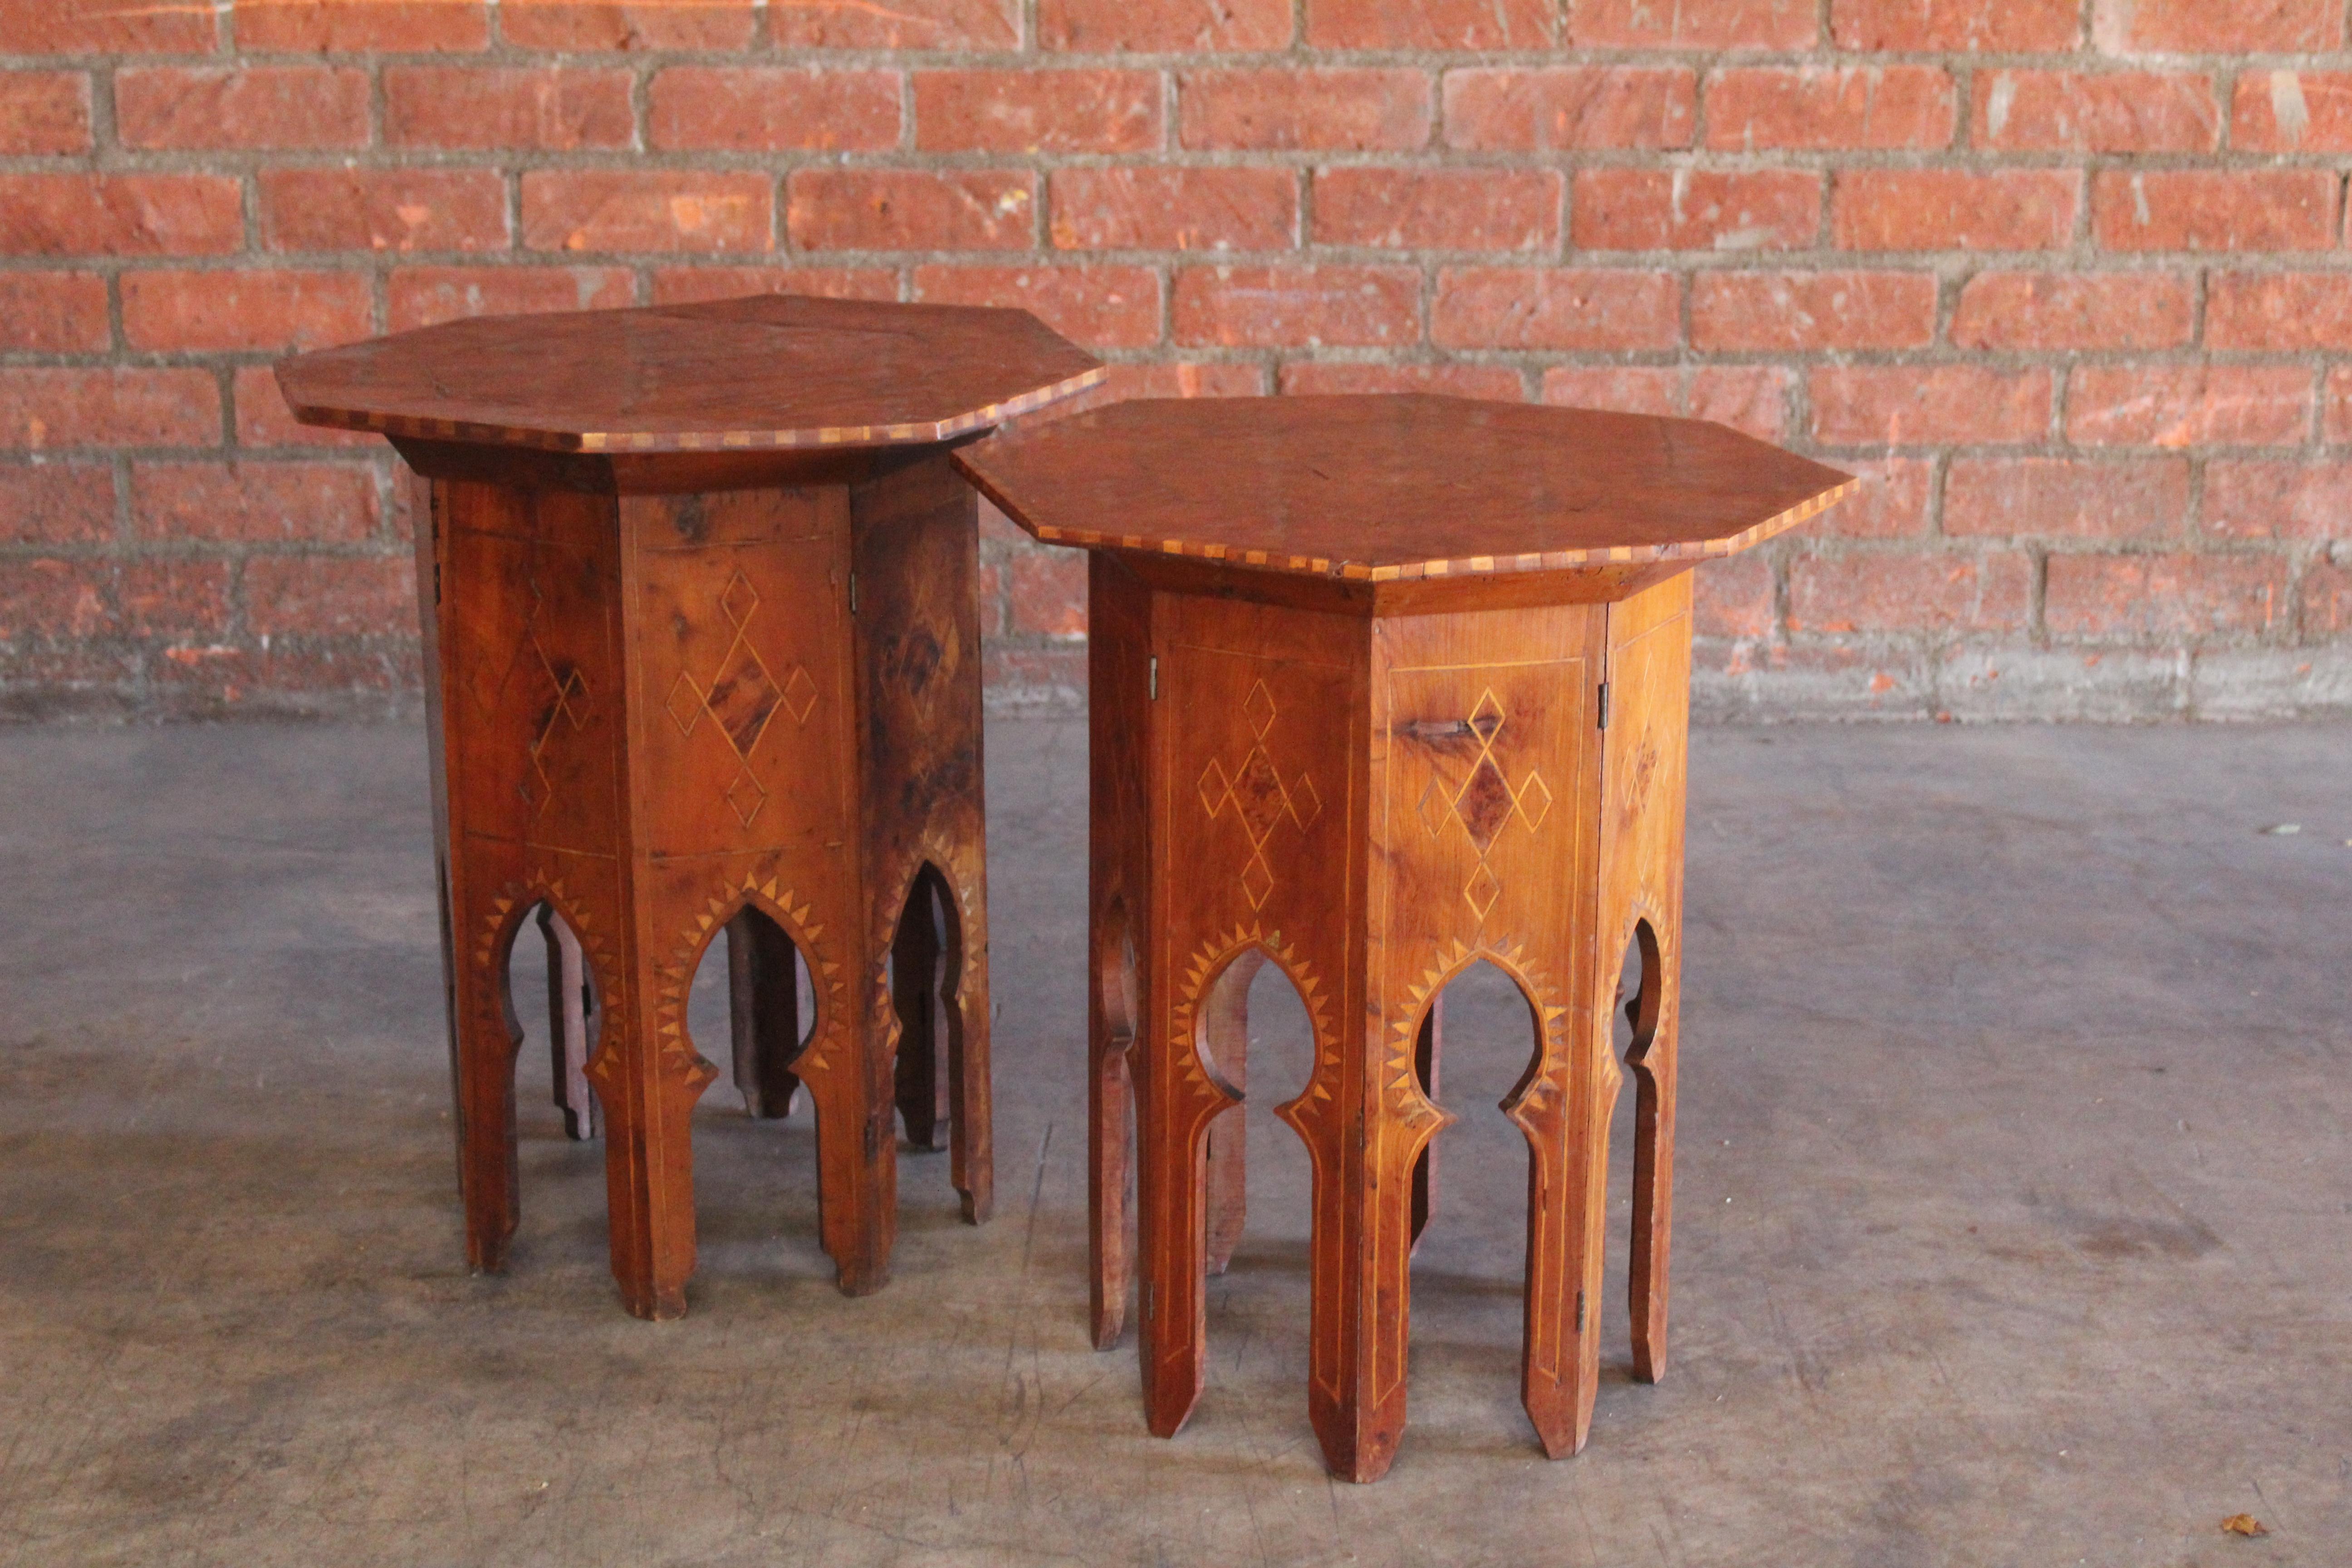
[702, 652]
[1382, 687]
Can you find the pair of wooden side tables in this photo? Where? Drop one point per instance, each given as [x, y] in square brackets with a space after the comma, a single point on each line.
[1381, 686]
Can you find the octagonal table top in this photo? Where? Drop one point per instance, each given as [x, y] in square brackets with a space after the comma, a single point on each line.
[1397, 486]
[772, 371]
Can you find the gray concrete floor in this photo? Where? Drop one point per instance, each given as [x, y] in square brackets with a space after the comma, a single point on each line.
[2014, 1193]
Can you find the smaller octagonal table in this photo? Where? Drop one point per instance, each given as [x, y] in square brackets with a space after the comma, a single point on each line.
[1384, 687]
[702, 648]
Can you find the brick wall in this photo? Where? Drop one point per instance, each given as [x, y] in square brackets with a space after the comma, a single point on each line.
[2065, 278]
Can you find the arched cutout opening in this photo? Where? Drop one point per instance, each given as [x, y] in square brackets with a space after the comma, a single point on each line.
[755, 1167]
[1479, 1050]
[1256, 1037]
[551, 998]
[752, 988]
[926, 971]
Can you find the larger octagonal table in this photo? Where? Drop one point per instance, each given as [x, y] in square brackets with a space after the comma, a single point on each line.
[703, 653]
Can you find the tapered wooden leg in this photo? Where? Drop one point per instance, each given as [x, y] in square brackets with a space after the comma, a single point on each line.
[764, 1006]
[916, 989]
[1652, 1058]
[847, 1071]
[1110, 1176]
[964, 1002]
[570, 1002]
[1225, 1019]
[1364, 1294]
[488, 1041]
[1428, 1047]
[1171, 1230]
[1567, 1126]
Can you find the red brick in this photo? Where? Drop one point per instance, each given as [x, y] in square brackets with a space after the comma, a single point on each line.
[1499, 383]
[1032, 110]
[327, 595]
[167, 597]
[264, 420]
[1431, 25]
[1656, 389]
[354, 27]
[120, 214]
[2327, 603]
[2000, 27]
[1695, 209]
[425, 296]
[1556, 307]
[2151, 597]
[1102, 307]
[55, 599]
[2074, 311]
[648, 25]
[1951, 209]
[1783, 310]
[2103, 111]
[2292, 111]
[169, 107]
[1438, 210]
[1867, 106]
[106, 27]
[1929, 405]
[2189, 406]
[2214, 209]
[1691, 25]
[1843, 594]
[2279, 312]
[743, 110]
[182, 313]
[1342, 307]
[2217, 26]
[2335, 407]
[656, 210]
[2143, 498]
[1184, 379]
[1753, 398]
[1049, 594]
[383, 209]
[1174, 209]
[1356, 111]
[250, 502]
[55, 503]
[2278, 500]
[1733, 597]
[1891, 504]
[913, 209]
[1111, 27]
[692, 285]
[1570, 108]
[44, 112]
[508, 108]
[42, 408]
[901, 25]
[54, 313]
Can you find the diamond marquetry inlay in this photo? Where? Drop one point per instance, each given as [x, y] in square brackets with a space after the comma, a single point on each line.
[743, 696]
[1258, 796]
[1486, 803]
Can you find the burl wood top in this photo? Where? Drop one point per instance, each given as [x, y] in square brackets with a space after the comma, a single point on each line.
[768, 371]
[1384, 488]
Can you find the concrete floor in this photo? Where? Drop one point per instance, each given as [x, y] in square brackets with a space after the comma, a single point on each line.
[2016, 1207]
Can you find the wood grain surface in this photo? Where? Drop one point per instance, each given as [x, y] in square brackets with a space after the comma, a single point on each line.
[1391, 488]
[771, 370]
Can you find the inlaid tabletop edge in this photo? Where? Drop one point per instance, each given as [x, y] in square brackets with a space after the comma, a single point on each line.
[1462, 566]
[483, 434]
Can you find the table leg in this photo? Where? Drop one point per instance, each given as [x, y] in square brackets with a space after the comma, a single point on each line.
[963, 999]
[1225, 1023]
